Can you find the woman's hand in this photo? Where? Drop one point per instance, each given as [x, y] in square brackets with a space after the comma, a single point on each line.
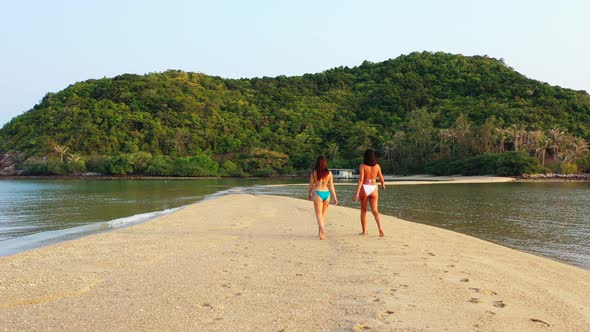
[309, 196]
[356, 197]
[335, 201]
[383, 186]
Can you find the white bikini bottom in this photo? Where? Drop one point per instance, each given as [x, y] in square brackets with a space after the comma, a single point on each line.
[369, 188]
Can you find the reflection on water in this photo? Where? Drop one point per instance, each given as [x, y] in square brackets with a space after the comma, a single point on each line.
[549, 219]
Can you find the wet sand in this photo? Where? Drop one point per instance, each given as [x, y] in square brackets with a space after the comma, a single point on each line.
[253, 263]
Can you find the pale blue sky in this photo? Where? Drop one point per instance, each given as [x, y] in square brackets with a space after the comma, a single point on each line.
[47, 45]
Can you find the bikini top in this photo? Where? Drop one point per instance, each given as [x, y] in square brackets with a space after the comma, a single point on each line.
[371, 181]
[318, 180]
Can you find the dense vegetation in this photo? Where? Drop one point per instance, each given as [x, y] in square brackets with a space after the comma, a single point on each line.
[425, 111]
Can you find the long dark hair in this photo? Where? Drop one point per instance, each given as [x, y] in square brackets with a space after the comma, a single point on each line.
[321, 167]
[369, 158]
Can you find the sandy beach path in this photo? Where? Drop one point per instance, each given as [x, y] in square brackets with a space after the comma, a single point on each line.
[253, 263]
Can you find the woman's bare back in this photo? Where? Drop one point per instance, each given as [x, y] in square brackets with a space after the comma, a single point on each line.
[370, 173]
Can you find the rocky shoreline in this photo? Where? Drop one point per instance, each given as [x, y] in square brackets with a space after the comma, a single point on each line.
[551, 177]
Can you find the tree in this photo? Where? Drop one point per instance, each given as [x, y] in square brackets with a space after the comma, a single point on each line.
[579, 146]
[516, 134]
[61, 151]
[500, 135]
[73, 157]
[420, 130]
[333, 149]
[462, 129]
[556, 138]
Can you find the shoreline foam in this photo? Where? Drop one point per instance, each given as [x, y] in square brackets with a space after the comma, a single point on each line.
[245, 262]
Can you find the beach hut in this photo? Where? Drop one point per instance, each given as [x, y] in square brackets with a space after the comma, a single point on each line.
[343, 173]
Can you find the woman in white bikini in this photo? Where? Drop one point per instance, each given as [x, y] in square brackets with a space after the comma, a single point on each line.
[322, 181]
[369, 171]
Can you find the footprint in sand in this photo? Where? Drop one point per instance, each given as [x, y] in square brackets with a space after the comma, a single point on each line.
[483, 291]
[362, 327]
[474, 300]
[375, 300]
[464, 280]
[499, 304]
[431, 254]
[386, 316]
[535, 320]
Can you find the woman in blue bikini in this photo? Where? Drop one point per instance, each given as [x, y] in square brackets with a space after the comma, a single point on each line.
[321, 183]
[369, 171]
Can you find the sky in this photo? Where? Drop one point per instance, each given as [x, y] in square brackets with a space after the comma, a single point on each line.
[47, 45]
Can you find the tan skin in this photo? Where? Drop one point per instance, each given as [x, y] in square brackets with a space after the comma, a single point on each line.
[320, 207]
[368, 175]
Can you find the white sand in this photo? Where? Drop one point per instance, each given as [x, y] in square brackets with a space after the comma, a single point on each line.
[253, 263]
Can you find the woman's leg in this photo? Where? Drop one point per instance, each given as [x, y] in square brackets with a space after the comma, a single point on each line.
[318, 207]
[374, 199]
[364, 199]
[325, 204]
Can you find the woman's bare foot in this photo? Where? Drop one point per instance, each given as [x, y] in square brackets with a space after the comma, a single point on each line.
[363, 233]
[381, 233]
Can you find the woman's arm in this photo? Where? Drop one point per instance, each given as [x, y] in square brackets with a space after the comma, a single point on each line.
[360, 183]
[381, 179]
[311, 183]
[332, 190]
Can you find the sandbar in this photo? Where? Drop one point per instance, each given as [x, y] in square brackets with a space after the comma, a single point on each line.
[253, 263]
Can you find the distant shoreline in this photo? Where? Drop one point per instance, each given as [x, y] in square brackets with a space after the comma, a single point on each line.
[135, 177]
[408, 179]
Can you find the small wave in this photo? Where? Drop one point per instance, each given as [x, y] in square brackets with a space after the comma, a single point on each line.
[28, 242]
[139, 218]
[230, 191]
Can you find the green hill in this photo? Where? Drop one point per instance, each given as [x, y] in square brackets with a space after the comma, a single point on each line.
[268, 125]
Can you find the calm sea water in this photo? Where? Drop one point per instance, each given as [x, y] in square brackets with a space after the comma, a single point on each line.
[547, 219]
[35, 213]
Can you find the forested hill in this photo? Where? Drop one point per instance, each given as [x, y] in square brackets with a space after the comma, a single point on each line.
[289, 120]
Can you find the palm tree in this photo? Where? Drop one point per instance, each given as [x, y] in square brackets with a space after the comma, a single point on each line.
[443, 141]
[517, 132]
[542, 145]
[555, 136]
[393, 146]
[565, 152]
[462, 129]
[333, 149]
[73, 157]
[531, 140]
[500, 135]
[388, 151]
[579, 146]
[61, 151]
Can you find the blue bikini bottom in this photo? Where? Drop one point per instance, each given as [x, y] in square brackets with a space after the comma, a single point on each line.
[324, 195]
